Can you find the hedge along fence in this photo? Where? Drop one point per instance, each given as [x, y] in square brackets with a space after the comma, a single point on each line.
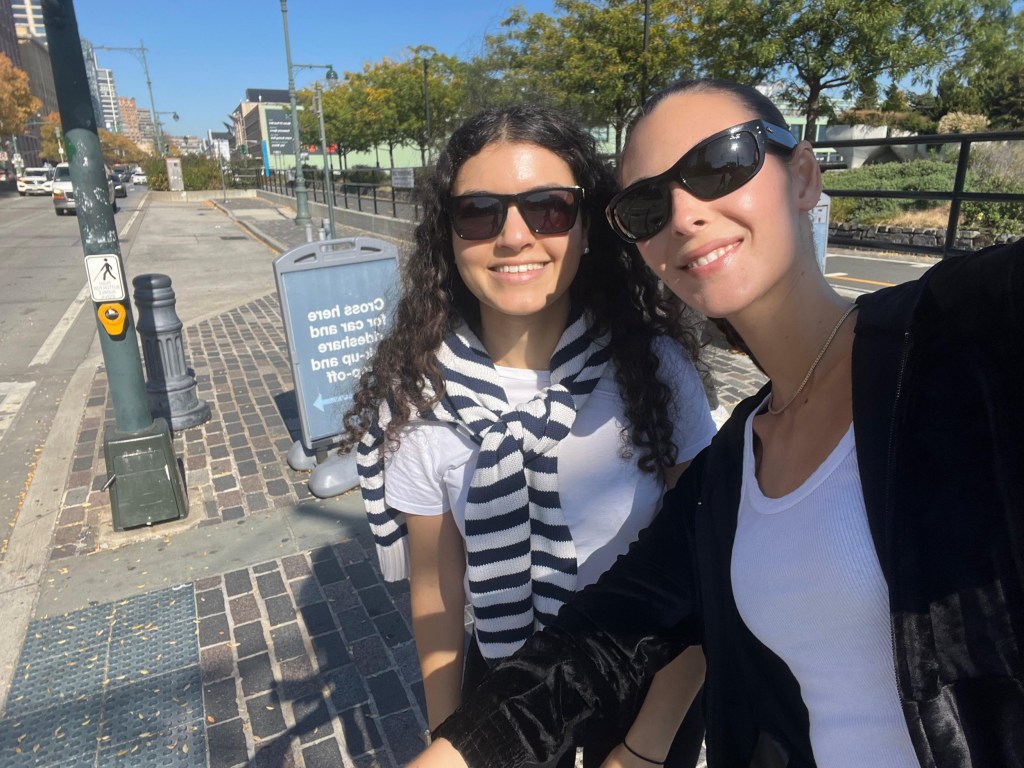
[994, 167]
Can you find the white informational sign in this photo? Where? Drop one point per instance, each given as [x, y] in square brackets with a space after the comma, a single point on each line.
[175, 181]
[402, 178]
[105, 280]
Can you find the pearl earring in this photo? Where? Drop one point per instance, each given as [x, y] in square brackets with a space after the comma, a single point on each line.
[586, 250]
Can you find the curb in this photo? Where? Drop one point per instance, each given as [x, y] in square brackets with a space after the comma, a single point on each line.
[271, 242]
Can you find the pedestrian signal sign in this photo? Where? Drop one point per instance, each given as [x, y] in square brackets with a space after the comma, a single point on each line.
[105, 280]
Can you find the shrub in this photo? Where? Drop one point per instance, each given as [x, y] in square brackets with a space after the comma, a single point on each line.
[961, 122]
[156, 173]
[915, 176]
[904, 121]
[995, 167]
[197, 172]
[200, 173]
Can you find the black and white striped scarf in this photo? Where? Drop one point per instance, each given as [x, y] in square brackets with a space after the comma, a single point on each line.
[521, 560]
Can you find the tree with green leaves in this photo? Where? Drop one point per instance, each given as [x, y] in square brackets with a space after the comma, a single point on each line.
[17, 104]
[429, 74]
[590, 58]
[987, 74]
[828, 47]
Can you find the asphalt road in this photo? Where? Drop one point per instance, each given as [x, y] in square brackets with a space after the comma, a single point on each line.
[46, 330]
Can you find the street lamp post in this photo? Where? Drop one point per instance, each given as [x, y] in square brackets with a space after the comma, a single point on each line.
[301, 199]
[140, 53]
[328, 171]
[332, 77]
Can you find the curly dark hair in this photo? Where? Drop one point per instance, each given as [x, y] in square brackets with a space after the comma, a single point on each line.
[612, 284]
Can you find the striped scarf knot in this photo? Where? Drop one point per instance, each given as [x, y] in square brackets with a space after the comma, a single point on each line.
[521, 560]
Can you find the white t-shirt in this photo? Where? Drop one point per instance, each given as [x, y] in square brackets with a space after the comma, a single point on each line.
[807, 583]
[605, 498]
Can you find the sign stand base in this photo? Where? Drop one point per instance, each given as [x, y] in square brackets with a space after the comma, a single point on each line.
[299, 458]
[334, 475]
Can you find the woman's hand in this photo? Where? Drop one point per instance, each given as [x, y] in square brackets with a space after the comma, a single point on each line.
[620, 757]
[671, 693]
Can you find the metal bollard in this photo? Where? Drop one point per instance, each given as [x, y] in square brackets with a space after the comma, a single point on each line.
[170, 385]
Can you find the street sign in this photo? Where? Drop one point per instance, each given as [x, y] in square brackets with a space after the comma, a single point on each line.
[105, 280]
[337, 298]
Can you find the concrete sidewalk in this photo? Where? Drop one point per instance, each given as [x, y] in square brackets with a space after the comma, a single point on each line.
[257, 631]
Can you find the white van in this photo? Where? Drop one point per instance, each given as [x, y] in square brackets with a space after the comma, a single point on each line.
[64, 191]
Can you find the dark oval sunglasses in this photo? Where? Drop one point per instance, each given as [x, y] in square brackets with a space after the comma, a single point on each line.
[481, 216]
[712, 168]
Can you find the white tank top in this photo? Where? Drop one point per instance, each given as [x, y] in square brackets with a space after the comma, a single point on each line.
[808, 584]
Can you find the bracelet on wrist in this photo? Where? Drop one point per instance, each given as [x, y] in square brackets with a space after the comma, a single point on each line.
[638, 755]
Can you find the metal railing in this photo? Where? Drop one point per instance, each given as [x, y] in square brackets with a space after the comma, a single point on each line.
[955, 197]
[378, 199]
[381, 199]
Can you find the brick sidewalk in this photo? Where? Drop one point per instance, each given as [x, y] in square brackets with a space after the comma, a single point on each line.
[302, 659]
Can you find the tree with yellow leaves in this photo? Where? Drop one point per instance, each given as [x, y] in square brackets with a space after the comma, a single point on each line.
[17, 104]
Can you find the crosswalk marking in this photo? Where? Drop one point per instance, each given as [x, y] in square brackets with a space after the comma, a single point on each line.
[12, 396]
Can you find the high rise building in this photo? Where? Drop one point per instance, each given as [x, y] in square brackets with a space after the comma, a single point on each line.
[111, 119]
[90, 74]
[145, 118]
[8, 36]
[129, 118]
[28, 17]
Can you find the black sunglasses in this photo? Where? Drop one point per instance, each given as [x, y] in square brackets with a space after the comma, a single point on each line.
[714, 167]
[549, 211]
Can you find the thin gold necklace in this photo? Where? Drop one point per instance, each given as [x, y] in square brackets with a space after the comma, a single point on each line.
[810, 371]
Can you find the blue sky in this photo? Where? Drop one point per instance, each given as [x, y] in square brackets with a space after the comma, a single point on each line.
[203, 54]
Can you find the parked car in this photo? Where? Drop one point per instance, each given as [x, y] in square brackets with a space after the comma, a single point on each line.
[139, 178]
[64, 190]
[35, 181]
[120, 190]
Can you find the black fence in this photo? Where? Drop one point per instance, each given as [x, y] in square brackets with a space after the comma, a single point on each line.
[955, 197]
[367, 197]
[384, 200]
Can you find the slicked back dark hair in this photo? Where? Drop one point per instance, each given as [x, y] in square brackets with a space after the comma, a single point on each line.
[612, 284]
[747, 95]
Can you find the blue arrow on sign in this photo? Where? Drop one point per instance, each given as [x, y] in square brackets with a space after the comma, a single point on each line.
[320, 402]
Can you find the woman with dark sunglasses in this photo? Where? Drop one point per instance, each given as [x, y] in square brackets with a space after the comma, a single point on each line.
[850, 548]
[521, 420]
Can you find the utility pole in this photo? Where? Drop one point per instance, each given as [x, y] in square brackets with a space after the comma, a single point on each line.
[426, 102]
[143, 477]
[301, 197]
[647, 29]
[140, 52]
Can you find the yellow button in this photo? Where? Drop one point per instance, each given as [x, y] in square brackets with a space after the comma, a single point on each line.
[112, 316]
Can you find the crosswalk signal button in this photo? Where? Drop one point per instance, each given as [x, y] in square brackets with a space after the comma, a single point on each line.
[112, 316]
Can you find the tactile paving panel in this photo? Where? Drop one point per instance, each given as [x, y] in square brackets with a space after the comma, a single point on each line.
[154, 705]
[153, 634]
[62, 658]
[183, 746]
[64, 735]
[168, 606]
[118, 684]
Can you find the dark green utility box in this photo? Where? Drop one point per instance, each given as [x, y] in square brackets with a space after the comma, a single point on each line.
[143, 478]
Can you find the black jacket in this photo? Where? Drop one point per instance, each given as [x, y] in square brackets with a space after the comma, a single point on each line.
[938, 382]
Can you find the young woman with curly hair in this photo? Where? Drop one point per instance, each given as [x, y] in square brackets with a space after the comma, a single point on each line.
[532, 401]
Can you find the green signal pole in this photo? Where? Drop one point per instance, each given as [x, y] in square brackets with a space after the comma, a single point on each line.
[143, 476]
